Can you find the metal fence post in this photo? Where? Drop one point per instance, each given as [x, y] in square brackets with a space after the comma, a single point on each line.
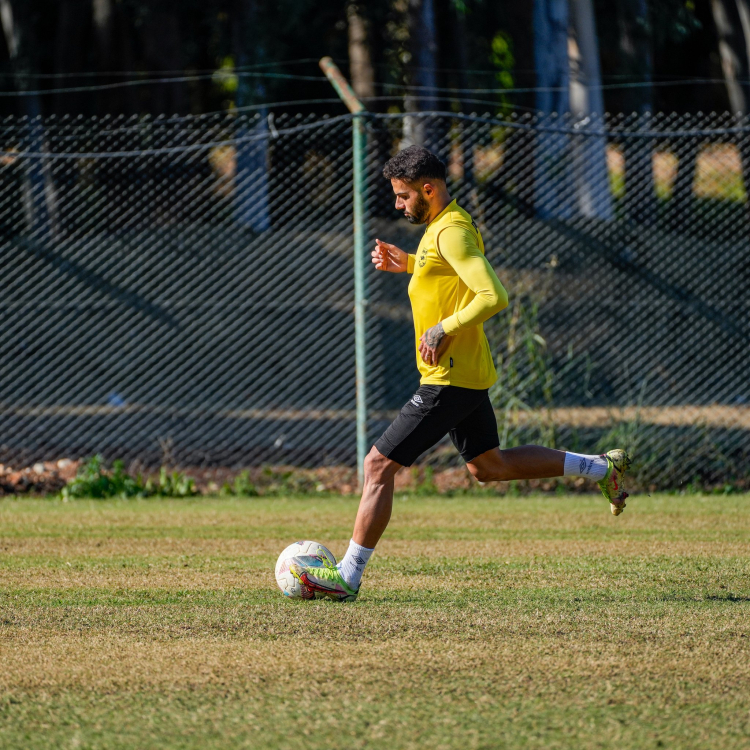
[359, 144]
[359, 150]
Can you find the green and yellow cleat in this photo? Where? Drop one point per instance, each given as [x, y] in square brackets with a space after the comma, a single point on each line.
[611, 486]
[324, 582]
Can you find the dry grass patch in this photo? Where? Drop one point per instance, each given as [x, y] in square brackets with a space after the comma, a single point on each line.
[527, 666]
[485, 623]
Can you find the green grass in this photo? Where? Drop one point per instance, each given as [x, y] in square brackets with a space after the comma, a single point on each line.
[483, 623]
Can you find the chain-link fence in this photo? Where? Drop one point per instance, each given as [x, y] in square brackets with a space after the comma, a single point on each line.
[182, 289]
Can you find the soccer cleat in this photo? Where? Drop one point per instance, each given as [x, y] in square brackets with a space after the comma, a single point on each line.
[325, 580]
[611, 486]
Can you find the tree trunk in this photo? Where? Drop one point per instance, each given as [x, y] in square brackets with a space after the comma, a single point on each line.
[423, 48]
[589, 151]
[10, 29]
[422, 75]
[104, 22]
[113, 52]
[70, 49]
[251, 205]
[636, 61]
[39, 197]
[163, 45]
[554, 195]
[466, 190]
[733, 50]
[635, 58]
[743, 142]
[732, 19]
[551, 56]
[361, 70]
[247, 49]
[461, 48]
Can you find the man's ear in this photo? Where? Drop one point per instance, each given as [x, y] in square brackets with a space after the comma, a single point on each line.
[428, 189]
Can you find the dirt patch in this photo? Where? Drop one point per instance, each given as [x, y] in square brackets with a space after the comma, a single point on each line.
[43, 478]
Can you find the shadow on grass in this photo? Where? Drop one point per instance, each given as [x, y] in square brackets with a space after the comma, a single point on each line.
[726, 598]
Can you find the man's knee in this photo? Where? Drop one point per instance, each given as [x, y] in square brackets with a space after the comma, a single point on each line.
[378, 467]
[480, 472]
[489, 467]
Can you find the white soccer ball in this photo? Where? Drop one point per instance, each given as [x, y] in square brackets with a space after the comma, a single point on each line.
[312, 553]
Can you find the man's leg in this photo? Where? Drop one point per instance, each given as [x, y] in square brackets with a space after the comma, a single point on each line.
[423, 421]
[377, 499]
[524, 462]
[372, 517]
[476, 439]
[342, 582]
[536, 462]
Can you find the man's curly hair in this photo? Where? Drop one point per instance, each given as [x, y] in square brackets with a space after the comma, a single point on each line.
[412, 164]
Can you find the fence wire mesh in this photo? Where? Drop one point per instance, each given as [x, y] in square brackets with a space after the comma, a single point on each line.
[182, 288]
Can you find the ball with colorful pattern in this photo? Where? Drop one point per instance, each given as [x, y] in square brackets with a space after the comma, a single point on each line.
[310, 553]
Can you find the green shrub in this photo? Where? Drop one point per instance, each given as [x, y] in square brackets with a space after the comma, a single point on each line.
[94, 480]
[426, 485]
[174, 484]
[243, 486]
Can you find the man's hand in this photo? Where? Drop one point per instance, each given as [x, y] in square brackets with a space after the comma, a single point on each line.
[433, 343]
[389, 257]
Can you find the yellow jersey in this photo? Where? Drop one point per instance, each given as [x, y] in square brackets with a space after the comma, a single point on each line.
[453, 283]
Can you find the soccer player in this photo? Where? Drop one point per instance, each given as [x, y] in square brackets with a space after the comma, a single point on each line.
[453, 290]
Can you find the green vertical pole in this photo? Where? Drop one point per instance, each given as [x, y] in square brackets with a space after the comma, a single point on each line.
[359, 147]
[359, 152]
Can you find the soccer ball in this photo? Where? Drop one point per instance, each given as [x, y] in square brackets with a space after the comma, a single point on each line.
[312, 553]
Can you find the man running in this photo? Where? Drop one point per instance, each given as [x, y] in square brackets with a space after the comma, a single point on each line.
[453, 290]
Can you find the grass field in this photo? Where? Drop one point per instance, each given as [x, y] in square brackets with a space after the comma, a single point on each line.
[483, 623]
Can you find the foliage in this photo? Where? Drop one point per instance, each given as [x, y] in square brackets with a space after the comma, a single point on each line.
[171, 484]
[503, 60]
[95, 481]
[673, 21]
[287, 482]
[242, 486]
[135, 35]
[425, 484]
[524, 389]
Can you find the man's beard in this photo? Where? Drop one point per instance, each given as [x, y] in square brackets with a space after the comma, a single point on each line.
[420, 213]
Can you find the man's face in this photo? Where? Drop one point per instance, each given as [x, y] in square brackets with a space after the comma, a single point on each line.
[412, 200]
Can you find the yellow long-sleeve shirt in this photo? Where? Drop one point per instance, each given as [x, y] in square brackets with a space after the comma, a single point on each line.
[453, 283]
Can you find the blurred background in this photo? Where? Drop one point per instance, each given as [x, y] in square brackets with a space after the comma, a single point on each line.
[177, 195]
[661, 55]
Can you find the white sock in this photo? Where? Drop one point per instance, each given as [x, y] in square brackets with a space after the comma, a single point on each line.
[353, 564]
[581, 465]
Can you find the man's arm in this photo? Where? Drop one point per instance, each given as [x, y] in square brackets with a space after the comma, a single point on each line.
[458, 247]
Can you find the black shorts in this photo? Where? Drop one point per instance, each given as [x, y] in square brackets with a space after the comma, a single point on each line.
[434, 411]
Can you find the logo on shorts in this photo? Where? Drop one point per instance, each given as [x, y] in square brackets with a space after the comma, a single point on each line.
[416, 399]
